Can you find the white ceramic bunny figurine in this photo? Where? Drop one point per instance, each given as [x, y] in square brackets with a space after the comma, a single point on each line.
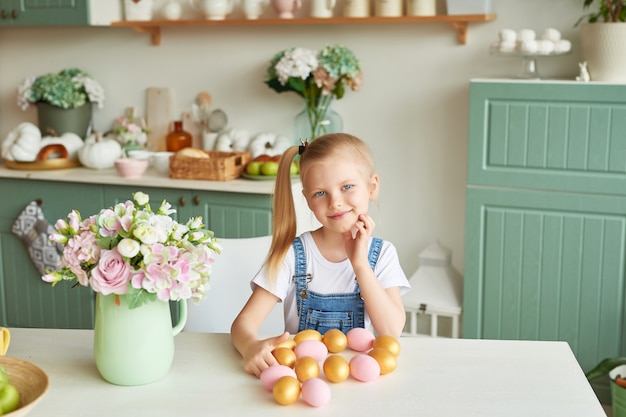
[584, 73]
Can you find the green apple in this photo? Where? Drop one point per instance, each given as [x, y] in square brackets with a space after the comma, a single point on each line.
[254, 168]
[9, 398]
[269, 168]
[294, 169]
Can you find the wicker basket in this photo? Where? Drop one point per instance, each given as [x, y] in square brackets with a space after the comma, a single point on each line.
[219, 166]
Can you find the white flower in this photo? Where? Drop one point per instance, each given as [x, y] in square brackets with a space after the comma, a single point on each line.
[128, 247]
[298, 62]
[93, 88]
[147, 234]
[141, 198]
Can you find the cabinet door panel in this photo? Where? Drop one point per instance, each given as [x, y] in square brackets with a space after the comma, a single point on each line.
[26, 300]
[566, 137]
[546, 266]
[44, 12]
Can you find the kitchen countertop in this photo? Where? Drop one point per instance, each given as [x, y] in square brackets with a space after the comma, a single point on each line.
[150, 179]
[435, 377]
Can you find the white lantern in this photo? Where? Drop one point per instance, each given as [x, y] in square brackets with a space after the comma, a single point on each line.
[437, 290]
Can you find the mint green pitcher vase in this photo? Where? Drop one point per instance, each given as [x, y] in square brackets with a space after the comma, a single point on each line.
[134, 346]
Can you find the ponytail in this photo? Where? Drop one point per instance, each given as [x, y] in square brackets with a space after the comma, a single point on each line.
[284, 225]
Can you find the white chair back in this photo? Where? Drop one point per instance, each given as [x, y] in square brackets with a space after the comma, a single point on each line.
[239, 261]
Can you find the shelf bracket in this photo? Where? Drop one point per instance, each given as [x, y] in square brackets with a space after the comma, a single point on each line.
[461, 31]
[154, 31]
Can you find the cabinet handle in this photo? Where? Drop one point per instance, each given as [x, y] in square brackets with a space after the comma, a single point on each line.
[14, 14]
[182, 202]
[196, 200]
[4, 14]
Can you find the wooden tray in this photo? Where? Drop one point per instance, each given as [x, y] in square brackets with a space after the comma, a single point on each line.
[56, 163]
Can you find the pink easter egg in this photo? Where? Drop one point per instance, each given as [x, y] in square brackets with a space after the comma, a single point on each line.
[360, 339]
[273, 373]
[364, 368]
[315, 392]
[313, 348]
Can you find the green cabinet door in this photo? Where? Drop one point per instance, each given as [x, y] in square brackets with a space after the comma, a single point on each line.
[546, 266]
[545, 241]
[43, 12]
[25, 300]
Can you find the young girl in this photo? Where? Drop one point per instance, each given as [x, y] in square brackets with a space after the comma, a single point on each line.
[337, 276]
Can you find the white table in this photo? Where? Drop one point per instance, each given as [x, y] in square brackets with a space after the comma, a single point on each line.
[434, 378]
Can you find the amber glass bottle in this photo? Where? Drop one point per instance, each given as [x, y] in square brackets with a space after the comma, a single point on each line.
[177, 139]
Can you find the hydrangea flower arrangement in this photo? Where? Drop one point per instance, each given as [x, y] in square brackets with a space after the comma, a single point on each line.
[318, 77]
[67, 89]
[130, 249]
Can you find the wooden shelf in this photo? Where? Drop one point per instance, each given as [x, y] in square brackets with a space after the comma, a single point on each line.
[459, 22]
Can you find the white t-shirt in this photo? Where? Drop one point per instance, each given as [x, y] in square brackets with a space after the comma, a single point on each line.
[328, 277]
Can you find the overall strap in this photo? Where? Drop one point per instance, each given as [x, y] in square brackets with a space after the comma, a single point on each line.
[300, 277]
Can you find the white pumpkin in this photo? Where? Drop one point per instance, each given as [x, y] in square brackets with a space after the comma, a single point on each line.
[233, 140]
[268, 144]
[99, 152]
[71, 141]
[22, 143]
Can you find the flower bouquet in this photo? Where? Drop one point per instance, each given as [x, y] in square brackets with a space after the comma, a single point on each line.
[130, 131]
[129, 249]
[69, 88]
[62, 100]
[318, 77]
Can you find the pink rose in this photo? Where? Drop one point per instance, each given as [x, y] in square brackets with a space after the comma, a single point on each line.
[112, 274]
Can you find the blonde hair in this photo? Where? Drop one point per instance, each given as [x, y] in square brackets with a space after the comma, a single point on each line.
[284, 224]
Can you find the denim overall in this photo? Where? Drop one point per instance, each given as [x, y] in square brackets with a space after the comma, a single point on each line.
[322, 312]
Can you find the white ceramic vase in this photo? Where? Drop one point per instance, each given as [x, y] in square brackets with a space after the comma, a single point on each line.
[138, 10]
[603, 49]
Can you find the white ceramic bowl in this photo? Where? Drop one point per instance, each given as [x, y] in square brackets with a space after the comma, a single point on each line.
[131, 168]
[31, 382]
[140, 154]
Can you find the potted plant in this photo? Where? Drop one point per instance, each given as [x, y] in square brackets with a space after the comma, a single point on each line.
[615, 369]
[603, 35]
[63, 100]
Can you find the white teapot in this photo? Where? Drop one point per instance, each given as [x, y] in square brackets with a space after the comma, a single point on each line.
[213, 9]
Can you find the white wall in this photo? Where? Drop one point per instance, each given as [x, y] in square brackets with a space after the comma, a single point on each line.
[412, 110]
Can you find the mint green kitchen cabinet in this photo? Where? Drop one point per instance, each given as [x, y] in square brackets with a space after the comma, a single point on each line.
[27, 301]
[43, 12]
[545, 242]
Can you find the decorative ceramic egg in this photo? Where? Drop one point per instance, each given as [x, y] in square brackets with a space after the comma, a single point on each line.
[306, 368]
[315, 392]
[386, 360]
[312, 348]
[360, 339]
[273, 373]
[308, 334]
[335, 340]
[364, 368]
[286, 390]
[289, 343]
[387, 342]
[285, 356]
[336, 368]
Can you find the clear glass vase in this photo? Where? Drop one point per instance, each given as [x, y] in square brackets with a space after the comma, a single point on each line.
[318, 118]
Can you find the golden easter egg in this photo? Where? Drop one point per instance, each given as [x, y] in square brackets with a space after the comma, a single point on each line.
[285, 356]
[289, 343]
[387, 360]
[306, 367]
[387, 342]
[308, 334]
[336, 368]
[286, 390]
[335, 340]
